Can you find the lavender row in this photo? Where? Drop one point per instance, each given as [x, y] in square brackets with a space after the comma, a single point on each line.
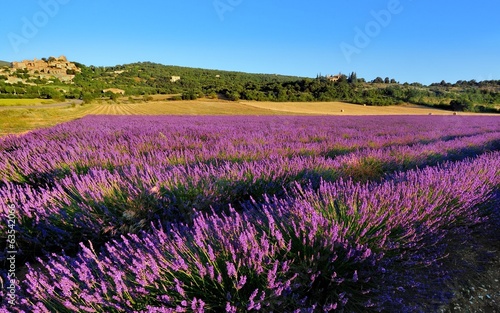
[339, 247]
[102, 203]
[106, 142]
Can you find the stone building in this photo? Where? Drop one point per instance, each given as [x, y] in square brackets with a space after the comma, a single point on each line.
[116, 91]
[333, 78]
[57, 67]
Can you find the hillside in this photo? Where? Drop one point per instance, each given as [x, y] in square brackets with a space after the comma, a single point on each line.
[4, 63]
[153, 78]
[146, 78]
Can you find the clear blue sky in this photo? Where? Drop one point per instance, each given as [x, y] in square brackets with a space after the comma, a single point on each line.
[409, 40]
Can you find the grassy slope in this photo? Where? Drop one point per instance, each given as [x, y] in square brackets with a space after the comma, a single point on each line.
[22, 120]
[4, 63]
[16, 102]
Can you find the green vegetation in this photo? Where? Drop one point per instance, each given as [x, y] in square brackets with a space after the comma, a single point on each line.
[146, 78]
[17, 102]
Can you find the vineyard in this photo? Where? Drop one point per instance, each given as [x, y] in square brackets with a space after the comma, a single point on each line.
[245, 213]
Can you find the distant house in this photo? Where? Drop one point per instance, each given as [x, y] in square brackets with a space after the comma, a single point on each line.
[333, 78]
[175, 78]
[114, 90]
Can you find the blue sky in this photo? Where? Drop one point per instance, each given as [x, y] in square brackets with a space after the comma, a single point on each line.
[409, 40]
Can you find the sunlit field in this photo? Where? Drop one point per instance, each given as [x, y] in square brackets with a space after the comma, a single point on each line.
[26, 119]
[22, 120]
[245, 213]
[16, 102]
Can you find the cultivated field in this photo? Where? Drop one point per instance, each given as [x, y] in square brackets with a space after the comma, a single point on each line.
[342, 108]
[25, 119]
[247, 213]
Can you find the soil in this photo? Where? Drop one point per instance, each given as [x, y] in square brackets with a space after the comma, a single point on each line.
[477, 286]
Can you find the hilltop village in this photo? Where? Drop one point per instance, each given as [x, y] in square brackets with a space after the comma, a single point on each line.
[28, 71]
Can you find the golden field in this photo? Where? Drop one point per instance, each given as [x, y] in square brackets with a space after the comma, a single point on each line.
[19, 120]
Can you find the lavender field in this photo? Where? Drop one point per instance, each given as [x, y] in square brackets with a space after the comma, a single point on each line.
[237, 214]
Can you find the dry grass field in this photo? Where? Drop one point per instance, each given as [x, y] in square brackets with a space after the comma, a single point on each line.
[342, 108]
[19, 120]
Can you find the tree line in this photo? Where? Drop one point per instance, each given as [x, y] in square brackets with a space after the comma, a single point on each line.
[146, 78]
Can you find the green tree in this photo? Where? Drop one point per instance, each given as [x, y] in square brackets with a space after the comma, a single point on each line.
[234, 96]
[353, 78]
[464, 105]
[87, 97]
[113, 96]
[51, 93]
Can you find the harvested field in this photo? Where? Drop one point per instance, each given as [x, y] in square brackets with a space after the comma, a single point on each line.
[19, 120]
[342, 108]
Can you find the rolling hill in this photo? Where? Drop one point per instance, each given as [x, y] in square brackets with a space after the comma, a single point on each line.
[148, 79]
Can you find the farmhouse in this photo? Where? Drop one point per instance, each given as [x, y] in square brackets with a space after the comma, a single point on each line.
[116, 91]
[175, 78]
[333, 78]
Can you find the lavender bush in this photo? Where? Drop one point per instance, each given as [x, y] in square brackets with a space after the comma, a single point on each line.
[339, 247]
[292, 214]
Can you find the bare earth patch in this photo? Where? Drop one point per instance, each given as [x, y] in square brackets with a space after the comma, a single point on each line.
[477, 286]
